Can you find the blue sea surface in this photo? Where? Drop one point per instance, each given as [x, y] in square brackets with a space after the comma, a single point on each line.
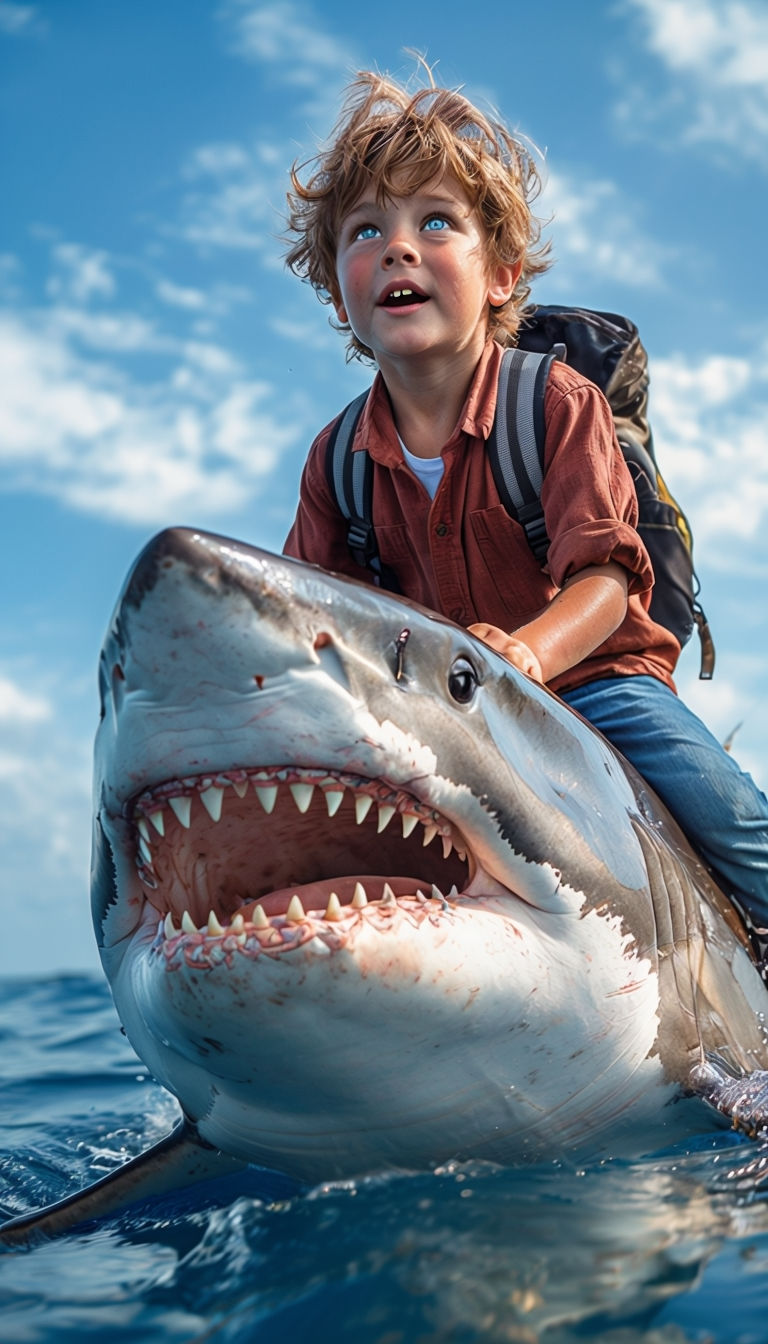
[667, 1249]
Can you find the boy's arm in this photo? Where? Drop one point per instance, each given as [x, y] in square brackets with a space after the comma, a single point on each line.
[589, 607]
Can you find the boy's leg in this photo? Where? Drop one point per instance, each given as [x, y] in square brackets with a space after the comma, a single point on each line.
[720, 808]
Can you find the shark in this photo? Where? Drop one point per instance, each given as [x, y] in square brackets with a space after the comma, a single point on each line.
[370, 899]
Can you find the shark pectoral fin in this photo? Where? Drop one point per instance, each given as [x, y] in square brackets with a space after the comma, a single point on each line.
[178, 1160]
[742, 1098]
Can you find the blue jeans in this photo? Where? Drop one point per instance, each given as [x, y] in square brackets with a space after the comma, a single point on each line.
[717, 805]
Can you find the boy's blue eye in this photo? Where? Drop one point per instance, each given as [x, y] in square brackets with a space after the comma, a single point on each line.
[436, 223]
[366, 231]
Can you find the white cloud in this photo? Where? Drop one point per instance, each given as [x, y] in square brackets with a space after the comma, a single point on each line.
[114, 331]
[725, 43]
[21, 706]
[594, 233]
[710, 419]
[45, 797]
[45, 788]
[9, 275]
[286, 36]
[308, 334]
[716, 52]
[217, 160]
[238, 198]
[180, 296]
[81, 275]
[197, 440]
[212, 359]
[19, 20]
[733, 709]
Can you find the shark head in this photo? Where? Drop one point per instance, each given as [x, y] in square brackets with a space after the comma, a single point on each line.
[367, 896]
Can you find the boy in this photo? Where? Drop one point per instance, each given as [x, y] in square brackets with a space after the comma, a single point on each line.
[416, 226]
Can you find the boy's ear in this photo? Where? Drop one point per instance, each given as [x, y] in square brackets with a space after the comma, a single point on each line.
[336, 303]
[502, 282]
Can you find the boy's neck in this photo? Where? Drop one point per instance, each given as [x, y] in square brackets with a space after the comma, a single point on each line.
[427, 399]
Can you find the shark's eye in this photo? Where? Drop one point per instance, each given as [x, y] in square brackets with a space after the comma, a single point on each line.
[462, 681]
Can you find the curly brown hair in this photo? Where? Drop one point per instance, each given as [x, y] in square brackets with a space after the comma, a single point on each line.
[400, 141]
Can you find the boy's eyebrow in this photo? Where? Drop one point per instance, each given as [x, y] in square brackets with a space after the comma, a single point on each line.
[451, 203]
[447, 203]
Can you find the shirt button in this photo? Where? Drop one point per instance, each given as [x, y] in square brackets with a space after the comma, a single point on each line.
[441, 529]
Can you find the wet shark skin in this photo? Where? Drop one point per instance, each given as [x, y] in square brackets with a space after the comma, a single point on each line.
[539, 966]
[244, 655]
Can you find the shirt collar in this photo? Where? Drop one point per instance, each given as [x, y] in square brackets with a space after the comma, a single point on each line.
[376, 428]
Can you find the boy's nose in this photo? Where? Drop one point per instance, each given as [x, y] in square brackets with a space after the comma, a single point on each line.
[401, 250]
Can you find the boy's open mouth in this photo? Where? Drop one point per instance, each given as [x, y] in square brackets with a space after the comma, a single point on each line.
[402, 296]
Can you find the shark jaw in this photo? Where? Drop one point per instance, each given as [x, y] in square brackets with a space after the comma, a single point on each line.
[279, 790]
[271, 859]
[257, 843]
[369, 901]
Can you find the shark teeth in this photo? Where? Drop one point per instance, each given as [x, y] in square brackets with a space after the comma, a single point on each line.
[161, 815]
[267, 796]
[359, 898]
[386, 814]
[363, 805]
[333, 800]
[302, 795]
[182, 809]
[213, 801]
[296, 927]
[295, 911]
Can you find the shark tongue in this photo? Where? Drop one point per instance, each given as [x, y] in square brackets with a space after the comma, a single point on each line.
[314, 896]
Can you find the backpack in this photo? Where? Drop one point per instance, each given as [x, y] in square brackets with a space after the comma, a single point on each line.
[605, 348]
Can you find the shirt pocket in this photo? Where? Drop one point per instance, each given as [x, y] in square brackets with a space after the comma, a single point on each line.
[510, 587]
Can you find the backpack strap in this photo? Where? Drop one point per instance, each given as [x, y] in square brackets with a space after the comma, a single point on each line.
[350, 480]
[515, 444]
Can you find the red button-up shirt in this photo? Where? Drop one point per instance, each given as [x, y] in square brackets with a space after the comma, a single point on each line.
[462, 555]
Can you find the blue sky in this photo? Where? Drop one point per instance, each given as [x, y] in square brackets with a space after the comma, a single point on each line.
[159, 366]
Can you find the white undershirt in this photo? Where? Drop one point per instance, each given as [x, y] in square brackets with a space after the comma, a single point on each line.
[428, 469]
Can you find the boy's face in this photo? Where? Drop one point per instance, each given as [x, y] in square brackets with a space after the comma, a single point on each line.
[414, 278]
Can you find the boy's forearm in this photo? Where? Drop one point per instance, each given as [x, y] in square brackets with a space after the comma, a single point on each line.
[590, 606]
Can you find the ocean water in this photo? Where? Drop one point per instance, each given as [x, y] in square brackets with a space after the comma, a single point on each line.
[671, 1248]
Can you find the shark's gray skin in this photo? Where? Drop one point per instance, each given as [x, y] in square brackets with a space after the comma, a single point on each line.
[367, 897]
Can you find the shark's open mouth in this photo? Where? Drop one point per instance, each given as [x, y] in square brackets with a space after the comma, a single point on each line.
[262, 846]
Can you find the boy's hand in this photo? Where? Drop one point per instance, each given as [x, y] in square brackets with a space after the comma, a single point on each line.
[514, 650]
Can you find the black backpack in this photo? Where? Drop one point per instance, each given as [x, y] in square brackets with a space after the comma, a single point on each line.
[605, 348]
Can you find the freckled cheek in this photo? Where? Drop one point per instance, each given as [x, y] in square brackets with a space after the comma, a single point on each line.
[354, 280]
